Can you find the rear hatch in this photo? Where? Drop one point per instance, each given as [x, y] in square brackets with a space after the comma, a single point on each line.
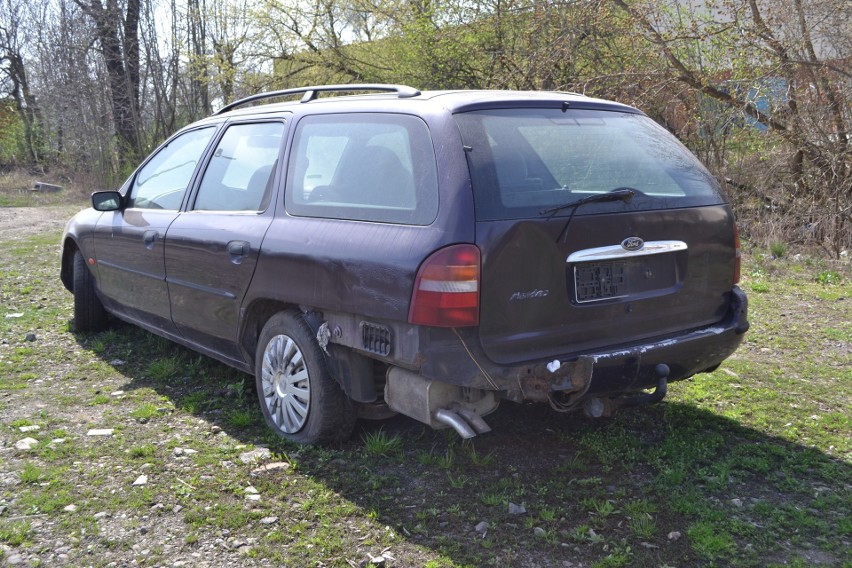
[597, 230]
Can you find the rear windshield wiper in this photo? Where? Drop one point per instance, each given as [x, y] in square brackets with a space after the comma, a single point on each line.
[624, 194]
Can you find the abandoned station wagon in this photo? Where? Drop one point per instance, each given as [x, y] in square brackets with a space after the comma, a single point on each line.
[429, 254]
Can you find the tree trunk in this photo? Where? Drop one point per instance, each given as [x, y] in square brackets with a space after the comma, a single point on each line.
[122, 64]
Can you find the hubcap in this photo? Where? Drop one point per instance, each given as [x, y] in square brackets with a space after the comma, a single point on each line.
[286, 387]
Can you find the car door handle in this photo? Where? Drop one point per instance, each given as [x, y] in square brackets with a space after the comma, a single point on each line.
[238, 250]
[149, 238]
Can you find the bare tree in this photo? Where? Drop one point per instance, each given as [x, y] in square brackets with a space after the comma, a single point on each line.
[13, 69]
[783, 67]
[118, 35]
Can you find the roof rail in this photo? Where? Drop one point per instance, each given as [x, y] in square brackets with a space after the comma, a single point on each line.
[310, 93]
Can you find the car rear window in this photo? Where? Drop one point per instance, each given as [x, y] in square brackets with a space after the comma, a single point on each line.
[364, 166]
[525, 161]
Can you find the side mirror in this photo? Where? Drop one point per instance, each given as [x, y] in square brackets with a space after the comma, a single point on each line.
[106, 200]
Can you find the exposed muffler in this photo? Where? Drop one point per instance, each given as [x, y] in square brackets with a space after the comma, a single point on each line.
[439, 404]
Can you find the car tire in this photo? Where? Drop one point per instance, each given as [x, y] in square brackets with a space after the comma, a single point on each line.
[299, 398]
[89, 312]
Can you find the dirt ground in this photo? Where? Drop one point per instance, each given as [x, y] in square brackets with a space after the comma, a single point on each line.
[19, 222]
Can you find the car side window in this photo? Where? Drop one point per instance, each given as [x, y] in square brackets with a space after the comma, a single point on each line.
[364, 166]
[240, 173]
[162, 182]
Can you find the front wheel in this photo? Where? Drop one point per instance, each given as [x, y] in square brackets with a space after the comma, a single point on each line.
[299, 398]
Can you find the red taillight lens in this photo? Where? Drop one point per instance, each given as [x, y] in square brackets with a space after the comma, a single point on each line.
[738, 255]
[446, 290]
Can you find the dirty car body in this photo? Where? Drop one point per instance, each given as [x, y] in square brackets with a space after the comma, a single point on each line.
[425, 253]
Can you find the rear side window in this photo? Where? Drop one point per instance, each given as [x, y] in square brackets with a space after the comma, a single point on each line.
[524, 161]
[366, 166]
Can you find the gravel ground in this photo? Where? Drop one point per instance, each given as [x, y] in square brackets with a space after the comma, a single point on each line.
[19, 222]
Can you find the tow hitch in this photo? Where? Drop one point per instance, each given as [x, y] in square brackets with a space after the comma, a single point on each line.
[605, 407]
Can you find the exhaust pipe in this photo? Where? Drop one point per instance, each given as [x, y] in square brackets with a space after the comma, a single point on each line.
[456, 422]
[474, 420]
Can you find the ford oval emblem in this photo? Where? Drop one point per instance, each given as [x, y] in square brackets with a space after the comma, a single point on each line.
[632, 244]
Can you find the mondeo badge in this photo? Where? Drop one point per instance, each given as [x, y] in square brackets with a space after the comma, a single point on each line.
[632, 244]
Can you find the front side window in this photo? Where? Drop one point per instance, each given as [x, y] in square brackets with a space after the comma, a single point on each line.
[524, 161]
[162, 182]
[369, 167]
[240, 173]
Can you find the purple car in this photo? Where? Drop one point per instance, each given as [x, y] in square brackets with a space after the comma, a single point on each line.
[429, 254]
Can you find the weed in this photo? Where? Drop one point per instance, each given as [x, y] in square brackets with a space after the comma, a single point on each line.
[759, 287]
[15, 533]
[241, 417]
[585, 533]
[778, 249]
[381, 443]
[710, 541]
[145, 412]
[618, 558]
[643, 526]
[144, 451]
[31, 474]
[447, 460]
[828, 277]
[600, 507]
[238, 392]
[493, 499]
[165, 369]
[459, 481]
[100, 399]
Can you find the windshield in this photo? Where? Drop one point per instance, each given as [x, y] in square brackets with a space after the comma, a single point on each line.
[524, 161]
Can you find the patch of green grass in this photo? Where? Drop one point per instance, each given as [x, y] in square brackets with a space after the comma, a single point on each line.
[778, 249]
[380, 443]
[828, 277]
[242, 417]
[100, 399]
[710, 541]
[31, 474]
[165, 370]
[145, 411]
[838, 334]
[144, 451]
[15, 533]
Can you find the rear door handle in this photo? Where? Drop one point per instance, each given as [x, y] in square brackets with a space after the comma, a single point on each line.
[238, 250]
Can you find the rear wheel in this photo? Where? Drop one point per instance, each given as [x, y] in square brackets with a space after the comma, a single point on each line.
[89, 312]
[299, 398]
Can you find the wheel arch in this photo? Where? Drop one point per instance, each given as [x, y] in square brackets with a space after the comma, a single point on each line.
[66, 271]
[254, 319]
[352, 370]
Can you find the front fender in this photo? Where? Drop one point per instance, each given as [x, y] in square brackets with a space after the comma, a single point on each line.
[78, 235]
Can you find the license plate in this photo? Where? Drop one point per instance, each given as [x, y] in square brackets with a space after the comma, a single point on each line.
[600, 281]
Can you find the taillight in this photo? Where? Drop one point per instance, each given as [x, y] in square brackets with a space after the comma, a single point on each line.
[737, 255]
[446, 290]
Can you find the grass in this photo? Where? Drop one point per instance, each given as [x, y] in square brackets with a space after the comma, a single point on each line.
[750, 465]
